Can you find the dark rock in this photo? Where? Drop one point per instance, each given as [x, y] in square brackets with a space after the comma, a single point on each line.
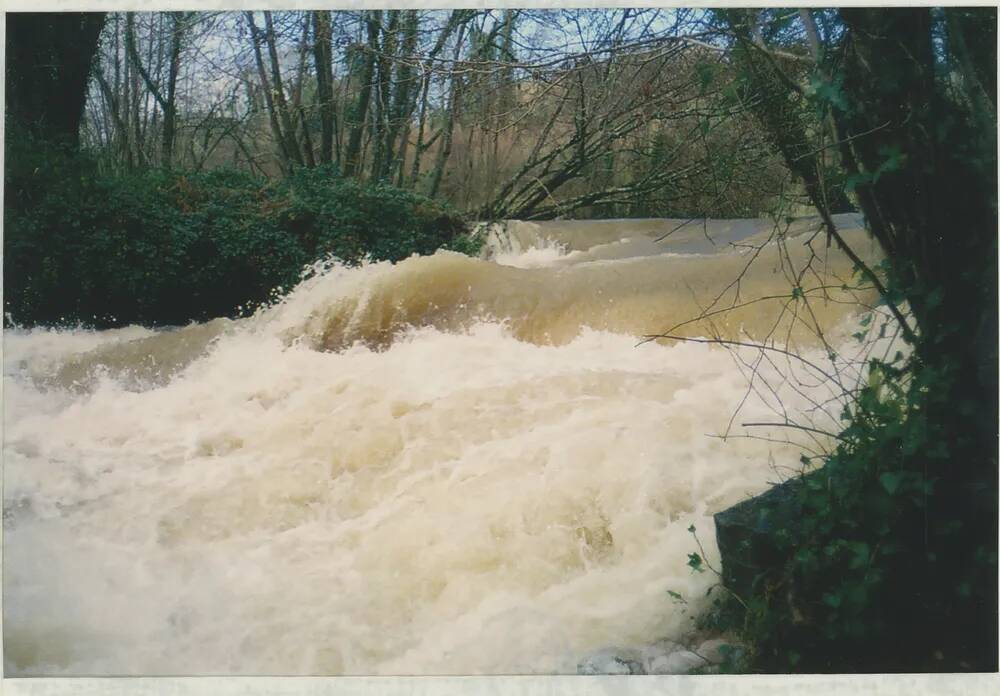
[752, 535]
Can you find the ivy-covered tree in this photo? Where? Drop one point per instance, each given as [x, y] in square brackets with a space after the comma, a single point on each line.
[893, 565]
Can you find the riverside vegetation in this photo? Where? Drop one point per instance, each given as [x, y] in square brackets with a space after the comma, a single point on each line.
[884, 558]
[168, 247]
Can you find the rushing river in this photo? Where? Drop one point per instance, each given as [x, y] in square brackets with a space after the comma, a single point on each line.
[447, 465]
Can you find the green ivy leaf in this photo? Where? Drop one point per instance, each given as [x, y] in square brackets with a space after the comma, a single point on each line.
[861, 553]
[891, 481]
[934, 298]
[855, 180]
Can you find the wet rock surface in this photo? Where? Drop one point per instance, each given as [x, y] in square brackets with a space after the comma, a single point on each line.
[664, 657]
[745, 534]
[613, 661]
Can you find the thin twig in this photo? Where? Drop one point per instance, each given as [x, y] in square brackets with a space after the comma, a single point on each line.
[794, 426]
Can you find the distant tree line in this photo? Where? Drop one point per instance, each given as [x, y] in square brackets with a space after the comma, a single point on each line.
[502, 113]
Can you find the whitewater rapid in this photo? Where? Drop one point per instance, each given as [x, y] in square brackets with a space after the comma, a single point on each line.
[444, 466]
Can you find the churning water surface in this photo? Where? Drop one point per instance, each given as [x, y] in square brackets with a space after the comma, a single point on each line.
[446, 465]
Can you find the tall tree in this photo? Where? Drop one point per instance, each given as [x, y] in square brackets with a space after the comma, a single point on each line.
[457, 18]
[298, 110]
[323, 62]
[366, 56]
[165, 97]
[403, 100]
[916, 128]
[383, 79]
[450, 115]
[177, 21]
[276, 108]
[49, 57]
[934, 210]
[278, 89]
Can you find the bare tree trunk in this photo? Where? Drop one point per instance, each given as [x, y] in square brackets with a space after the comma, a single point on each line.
[418, 150]
[114, 111]
[324, 82]
[504, 98]
[382, 107]
[133, 78]
[279, 137]
[151, 116]
[170, 104]
[359, 110]
[291, 142]
[122, 97]
[402, 104]
[812, 34]
[116, 99]
[165, 102]
[457, 17]
[299, 111]
[454, 101]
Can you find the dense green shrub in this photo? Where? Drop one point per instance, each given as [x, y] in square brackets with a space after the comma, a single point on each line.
[330, 215]
[864, 585]
[161, 247]
[887, 555]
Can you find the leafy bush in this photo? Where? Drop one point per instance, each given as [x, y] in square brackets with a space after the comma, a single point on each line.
[330, 215]
[163, 247]
[867, 547]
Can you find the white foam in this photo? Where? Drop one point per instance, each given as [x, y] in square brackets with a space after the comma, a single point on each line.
[454, 502]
